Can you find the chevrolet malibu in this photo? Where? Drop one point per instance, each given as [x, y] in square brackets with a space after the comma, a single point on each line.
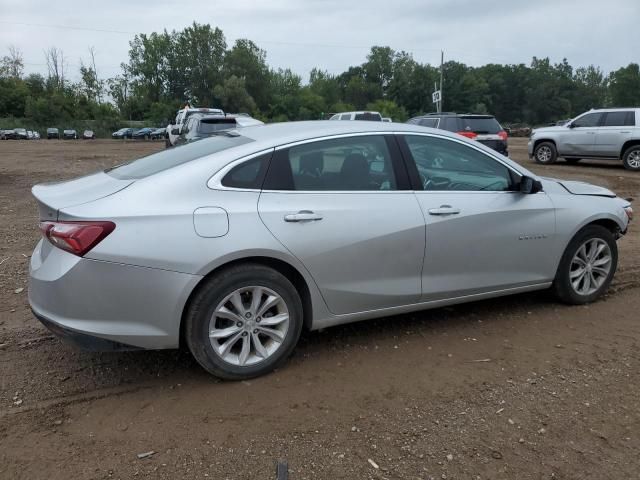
[233, 244]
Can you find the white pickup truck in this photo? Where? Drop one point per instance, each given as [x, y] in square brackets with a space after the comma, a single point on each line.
[174, 130]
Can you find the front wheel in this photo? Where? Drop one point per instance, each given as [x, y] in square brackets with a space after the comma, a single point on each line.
[244, 322]
[631, 158]
[587, 266]
[545, 153]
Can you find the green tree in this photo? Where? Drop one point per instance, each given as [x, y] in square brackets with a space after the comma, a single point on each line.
[234, 96]
[624, 86]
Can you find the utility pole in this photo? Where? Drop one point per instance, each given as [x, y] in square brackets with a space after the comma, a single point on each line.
[441, 75]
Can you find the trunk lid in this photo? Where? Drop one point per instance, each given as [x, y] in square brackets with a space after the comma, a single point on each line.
[54, 196]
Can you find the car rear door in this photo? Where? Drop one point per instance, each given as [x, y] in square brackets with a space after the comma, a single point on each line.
[579, 138]
[617, 128]
[481, 235]
[343, 206]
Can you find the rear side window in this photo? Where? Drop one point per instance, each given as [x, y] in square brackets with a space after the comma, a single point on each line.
[374, 117]
[249, 174]
[619, 119]
[344, 164]
[480, 125]
[172, 157]
[588, 120]
[429, 122]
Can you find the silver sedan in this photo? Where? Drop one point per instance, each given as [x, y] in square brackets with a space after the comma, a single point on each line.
[234, 244]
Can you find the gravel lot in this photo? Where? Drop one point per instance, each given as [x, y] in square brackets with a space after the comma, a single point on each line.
[520, 387]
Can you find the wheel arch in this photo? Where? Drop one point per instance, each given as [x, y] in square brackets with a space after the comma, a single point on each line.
[627, 145]
[538, 141]
[285, 268]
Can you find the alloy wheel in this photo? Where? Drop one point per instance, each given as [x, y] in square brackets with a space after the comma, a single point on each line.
[590, 266]
[249, 325]
[544, 154]
[633, 159]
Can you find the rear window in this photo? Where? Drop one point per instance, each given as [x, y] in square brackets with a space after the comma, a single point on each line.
[375, 117]
[479, 124]
[429, 122]
[619, 119]
[216, 124]
[172, 157]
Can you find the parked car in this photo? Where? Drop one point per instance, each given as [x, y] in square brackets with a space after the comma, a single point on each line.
[53, 133]
[386, 119]
[482, 128]
[124, 133]
[69, 134]
[10, 134]
[173, 131]
[20, 134]
[143, 133]
[201, 125]
[88, 135]
[373, 116]
[612, 133]
[158, 133]
[232, 244]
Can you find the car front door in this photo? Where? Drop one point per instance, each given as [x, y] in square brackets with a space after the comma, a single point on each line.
[616, 129]
[481, 234]
[343, 206]
[579, 136]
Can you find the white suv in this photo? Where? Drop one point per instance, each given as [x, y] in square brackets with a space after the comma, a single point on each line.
[174, 131]
[612, 133]
[374, 116]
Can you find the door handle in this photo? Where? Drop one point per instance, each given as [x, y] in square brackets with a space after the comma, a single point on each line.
[625, 131]
[590, 132]
[303, 216]
[444, 210]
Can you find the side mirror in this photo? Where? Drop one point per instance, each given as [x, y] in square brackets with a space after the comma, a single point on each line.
[571, 125]
[529, 185]
[175, 131]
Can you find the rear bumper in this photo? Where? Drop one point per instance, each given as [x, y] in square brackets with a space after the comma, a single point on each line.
[497, 145]
[97, 304]
[82, 340]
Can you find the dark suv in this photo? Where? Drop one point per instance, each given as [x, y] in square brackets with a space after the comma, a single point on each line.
[483, 128]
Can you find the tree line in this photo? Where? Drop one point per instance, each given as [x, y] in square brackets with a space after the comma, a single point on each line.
[165, 70]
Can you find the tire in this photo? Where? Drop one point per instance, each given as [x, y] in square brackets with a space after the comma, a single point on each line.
[591, 236]
[572, 161]
[167, 143]
[220, 294]
[545, 153]
[631, 158]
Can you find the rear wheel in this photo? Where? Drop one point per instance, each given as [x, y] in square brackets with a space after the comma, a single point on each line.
[631, 158]
[546, 153]
[244, 322]
[587, 266]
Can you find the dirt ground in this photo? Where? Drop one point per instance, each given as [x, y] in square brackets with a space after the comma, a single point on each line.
[514, 388]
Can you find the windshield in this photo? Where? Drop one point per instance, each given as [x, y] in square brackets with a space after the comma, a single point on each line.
[480, 124]
[172, 157]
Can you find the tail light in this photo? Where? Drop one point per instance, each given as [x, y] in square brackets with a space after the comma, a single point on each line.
[503, 135]
[76, 237]
[629, 211]
[467, 134]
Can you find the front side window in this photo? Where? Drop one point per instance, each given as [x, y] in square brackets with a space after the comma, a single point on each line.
[588, 120]
[344, 164]
[445, 164]
[345, 116]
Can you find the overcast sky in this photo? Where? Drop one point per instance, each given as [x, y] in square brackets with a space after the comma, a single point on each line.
[335, 34]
